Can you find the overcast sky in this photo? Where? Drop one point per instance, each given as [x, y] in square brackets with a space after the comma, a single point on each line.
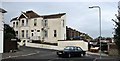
[79, 16]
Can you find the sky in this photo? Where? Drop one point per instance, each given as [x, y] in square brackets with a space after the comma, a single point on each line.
[78, 15]
[60, 0]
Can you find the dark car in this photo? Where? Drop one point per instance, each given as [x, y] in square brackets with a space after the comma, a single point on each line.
[70, 51]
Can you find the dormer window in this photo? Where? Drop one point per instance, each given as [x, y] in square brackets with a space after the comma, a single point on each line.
[26, 22]
[13, 24]
[22, 22]
[16, 24]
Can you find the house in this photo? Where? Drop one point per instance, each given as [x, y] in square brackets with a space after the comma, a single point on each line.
[2, 11]
[31, 27]
[72, 33]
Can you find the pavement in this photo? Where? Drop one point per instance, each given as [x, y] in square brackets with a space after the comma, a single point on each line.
[23, 51]
[91, 53]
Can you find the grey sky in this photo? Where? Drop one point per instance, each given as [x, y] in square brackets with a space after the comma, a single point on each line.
[79, 16]
[60, 0]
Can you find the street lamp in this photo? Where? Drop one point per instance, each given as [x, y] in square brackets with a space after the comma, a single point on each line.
[99, 24]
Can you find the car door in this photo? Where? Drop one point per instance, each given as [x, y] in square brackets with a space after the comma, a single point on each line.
[79, 51]
[72, 51]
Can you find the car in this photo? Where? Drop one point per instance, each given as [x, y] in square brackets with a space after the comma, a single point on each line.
[70, 51]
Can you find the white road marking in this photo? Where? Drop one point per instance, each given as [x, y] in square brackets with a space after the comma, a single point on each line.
[20, 55]
[95, 59]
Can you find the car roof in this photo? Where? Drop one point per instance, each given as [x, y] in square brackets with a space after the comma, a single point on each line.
[72, 46]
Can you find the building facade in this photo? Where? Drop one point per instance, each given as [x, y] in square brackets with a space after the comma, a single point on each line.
[72, 33]
[2, 11]
[30, 26]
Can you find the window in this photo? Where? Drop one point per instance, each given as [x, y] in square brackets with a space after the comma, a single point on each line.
[55, 33]
[16, 33]
[46, 33]
[118, 7]
[38, 30]
[35, 22]
[26, 33]
[22, 22]
[26, 22]
[78, 48]
[32, 34]
[23, 40]
[32, 30]
[66, 48]
[16, 24]
[63, 23]
[45, 22]
[13, 24]
[22, 33]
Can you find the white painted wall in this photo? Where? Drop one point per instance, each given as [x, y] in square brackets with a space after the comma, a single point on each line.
[80, 43]
[1, 32]
[1, 41]
[53, 24]
[42, 46]
[56, 24]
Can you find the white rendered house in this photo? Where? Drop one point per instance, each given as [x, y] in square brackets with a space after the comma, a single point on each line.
[30, 26]
[2, 11]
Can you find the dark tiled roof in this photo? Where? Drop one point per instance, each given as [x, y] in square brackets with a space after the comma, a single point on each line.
[53, 15]
[31, 14]
[13, 19]
[2, 10]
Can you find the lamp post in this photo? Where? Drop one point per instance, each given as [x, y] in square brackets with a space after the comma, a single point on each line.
[99, 25]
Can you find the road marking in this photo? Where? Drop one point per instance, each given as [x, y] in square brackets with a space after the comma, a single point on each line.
[20, 55]
[95, 59]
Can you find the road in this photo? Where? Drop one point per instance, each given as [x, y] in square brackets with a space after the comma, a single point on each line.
[50, 55]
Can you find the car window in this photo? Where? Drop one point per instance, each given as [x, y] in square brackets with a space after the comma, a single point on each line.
[69, 48]
[78, 48]
[66, 48]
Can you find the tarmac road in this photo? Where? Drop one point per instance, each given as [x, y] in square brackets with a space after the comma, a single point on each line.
[50, 55]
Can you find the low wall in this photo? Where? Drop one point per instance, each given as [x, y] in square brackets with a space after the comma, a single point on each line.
[80, 43]
[61, 45]
[36, 45]
[113, 51]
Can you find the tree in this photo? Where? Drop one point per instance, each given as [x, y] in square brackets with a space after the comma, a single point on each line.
[117, 33]
[9, 32]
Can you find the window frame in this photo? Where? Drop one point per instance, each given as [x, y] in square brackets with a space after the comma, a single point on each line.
[32, 30]
[23, 22]
[32, 34]
[26, 22]
[26, 33]
[63, 23]
[35, 22]
[46, 33]
[13, 24]
[46, 22]
[55, 33]
[16, 24]
[22, 33]
[38, 30]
